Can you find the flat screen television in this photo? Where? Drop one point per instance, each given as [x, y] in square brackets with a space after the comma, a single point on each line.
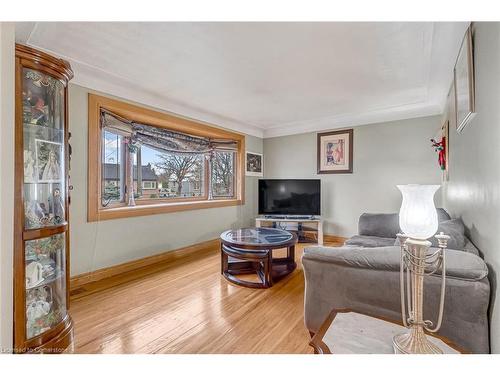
[290, 197]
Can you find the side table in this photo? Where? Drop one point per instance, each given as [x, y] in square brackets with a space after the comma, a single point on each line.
[349, 332]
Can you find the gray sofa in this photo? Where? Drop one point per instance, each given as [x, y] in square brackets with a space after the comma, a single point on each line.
[364, 275]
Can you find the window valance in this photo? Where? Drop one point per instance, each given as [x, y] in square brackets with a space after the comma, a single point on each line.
[162, 139]
[144, 162]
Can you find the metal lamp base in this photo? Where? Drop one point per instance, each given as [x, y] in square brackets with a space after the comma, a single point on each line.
[414, 342]
[415, 259]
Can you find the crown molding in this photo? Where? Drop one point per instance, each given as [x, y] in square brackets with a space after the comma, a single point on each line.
[104, 82]
[94, 79]
[90, 77]
[356, 119]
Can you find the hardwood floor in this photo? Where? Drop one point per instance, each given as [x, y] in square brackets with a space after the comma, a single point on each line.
[186, 306]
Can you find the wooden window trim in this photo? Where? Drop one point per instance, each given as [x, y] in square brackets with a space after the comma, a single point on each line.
[160, 119]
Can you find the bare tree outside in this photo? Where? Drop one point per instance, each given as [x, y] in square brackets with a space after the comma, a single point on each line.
[196, 175]
[164, 177]
[222, 173]
[179, 166]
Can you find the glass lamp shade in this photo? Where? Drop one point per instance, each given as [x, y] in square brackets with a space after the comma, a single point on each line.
[417, 216]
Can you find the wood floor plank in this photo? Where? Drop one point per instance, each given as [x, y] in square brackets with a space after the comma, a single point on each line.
[186, 306]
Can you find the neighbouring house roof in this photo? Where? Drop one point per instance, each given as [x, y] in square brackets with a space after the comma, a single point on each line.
[111, 172]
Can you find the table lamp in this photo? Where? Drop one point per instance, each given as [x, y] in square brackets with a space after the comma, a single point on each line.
[418, 221]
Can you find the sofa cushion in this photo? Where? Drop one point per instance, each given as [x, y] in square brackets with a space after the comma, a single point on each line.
[387, 225]
[459, 264]
[369, 241]
[470, 248]
[378, 225]
[453, 228]
[442, 215]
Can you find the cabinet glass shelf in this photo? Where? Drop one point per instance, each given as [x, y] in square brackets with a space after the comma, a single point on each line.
[45, 283]
[44, 158]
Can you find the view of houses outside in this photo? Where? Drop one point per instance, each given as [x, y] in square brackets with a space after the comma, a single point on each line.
[164, 175]
[180, 175]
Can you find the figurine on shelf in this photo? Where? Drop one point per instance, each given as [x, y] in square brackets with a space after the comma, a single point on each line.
[51, 170]
[47, 220]
[49, 270]
[44, 248]
[45, 294]
[35, 312]
[39, 112]
[30, 253]
[27, 98]
[57, 206]
[34, 274]
[34, 215]
[29, 166]
[33, 209]
[37, 309]
[27, 106]
[44, 209]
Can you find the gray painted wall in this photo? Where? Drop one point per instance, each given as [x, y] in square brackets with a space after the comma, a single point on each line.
[7, 70]
[102, 244]
[473, 189]
[385, 155]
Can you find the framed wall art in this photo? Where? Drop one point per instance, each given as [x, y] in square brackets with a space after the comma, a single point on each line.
[254, 164]
[335, 151]
[440, 143]
[464, 83]
[446, 136]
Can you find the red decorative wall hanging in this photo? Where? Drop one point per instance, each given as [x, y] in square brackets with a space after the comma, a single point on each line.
[440, 148]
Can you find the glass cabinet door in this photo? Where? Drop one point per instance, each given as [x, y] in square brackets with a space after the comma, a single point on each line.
[41, 239]
[44, 169]
[45, 283]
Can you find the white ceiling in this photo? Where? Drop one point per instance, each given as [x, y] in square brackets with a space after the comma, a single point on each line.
[265, 79]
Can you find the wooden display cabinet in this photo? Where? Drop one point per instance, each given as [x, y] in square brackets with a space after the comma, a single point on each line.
[41, 223]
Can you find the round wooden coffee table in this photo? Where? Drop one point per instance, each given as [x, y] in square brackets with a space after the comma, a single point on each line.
[250, 250]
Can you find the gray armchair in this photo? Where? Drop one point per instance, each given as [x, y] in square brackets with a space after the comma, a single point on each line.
[366, 279]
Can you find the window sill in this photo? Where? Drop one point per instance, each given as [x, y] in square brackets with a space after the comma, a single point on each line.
[161, 208]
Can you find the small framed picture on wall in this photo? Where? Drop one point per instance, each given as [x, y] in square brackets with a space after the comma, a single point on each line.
[335, 151]
[254, 164]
